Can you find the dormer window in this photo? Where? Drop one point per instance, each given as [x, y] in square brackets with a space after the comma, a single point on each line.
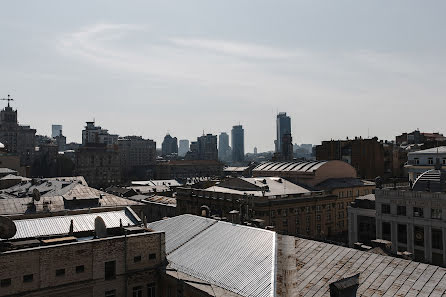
[430, 161]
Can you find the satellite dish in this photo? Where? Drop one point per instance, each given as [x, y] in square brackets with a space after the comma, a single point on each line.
[100, 229]
[7, 228]
[36, 195]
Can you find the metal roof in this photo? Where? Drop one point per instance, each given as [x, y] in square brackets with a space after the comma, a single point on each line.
[237, 258]
[47, 226]
[301, 166]
[306, 268]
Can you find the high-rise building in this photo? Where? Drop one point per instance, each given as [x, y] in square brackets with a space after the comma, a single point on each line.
[16, 139]
[183, 147]
[136, 151]
[283, 127]
[169, 145]
[205, 148]
[255, 150]
[223, 147]
[238, 143]
[56, 130]
[95, 134]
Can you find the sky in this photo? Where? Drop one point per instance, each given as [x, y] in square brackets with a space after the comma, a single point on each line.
[338, 68]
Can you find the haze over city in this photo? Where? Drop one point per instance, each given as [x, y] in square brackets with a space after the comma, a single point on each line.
[339, 69]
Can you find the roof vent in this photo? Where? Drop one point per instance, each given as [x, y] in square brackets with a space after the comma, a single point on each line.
[345, 287]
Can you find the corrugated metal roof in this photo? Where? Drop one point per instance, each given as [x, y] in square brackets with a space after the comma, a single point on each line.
[181, 229]
[301, 166]
[237, 258]
[46, 226]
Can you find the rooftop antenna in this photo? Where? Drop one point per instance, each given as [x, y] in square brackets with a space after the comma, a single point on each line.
[8, 99]
[36, 195]
[7, 228]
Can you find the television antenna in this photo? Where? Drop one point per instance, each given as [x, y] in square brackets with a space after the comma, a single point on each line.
[7, 228]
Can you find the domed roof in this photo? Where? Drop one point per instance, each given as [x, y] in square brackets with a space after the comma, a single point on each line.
[433, 180]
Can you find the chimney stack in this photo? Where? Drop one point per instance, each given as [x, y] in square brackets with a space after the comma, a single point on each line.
[345, 287]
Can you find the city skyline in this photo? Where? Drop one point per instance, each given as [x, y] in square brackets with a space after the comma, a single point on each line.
[338, 66]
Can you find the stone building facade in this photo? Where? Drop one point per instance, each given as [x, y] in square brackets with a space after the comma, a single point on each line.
[111, 267]
[99, 165]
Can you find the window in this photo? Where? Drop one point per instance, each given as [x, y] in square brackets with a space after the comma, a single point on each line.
[308, 229]
[341, 215]
[341, 205]
[386, 233]
[401, 210]
[110, 269]
[307, 219]
[436, 213]
[328, 217]
[318, 218]
[297, 221]
[437, 239]
[444, 161]
[272, 213]
[284, 212]
[137, 259]
[430, 161]
[60, 272]
[307, 209]
[418, 212]
[318, 208]
[402, 233]
[318, 228]
[152, 256]
[279, 212]
[151, 290]
[328, 206]
[416, 161]
[385, 208]
[137, 291]
[110, 293]
[80, 269]
[28, 278]
[5, 282]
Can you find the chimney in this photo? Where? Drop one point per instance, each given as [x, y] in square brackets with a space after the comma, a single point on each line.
[345, 287]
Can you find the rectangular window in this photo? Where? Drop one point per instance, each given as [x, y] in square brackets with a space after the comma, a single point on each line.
[137, 259]
[60, 272]
[5, 282]
[80, 269]
[318, 228]
[436, 213]
[386, 233]
[152, 256]
[328, 217]
[307, 209]
[110, 269]
[28, 278]
[437, 239]
[418, 212]
[430, 161]
[318, 208]
[307, 219]
[137, 291]
[418, 235]
[402, 234]
[318, 218]
[110, 293]
[151, 290]
[385, 208]
[401, 210]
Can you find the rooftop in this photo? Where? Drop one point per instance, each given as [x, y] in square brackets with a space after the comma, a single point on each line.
[301, 166]
[12, 206]
[256, 262]
[336, 183]
[431, 151]
[237, 258]
[59, 225]
[258, 186]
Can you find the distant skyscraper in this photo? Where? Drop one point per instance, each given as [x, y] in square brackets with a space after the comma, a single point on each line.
[56, 130]
[169, 145]
[255, 150]
[223, 146]
[205, 148]
[283, 127]
[183, 148]
[238, 143]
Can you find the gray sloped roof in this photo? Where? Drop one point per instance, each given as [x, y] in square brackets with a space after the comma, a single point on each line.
[237, 258]
[311, 266]
[301, 166]
[58, 225]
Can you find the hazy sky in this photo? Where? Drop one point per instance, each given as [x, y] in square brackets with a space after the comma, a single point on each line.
[338, 68]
